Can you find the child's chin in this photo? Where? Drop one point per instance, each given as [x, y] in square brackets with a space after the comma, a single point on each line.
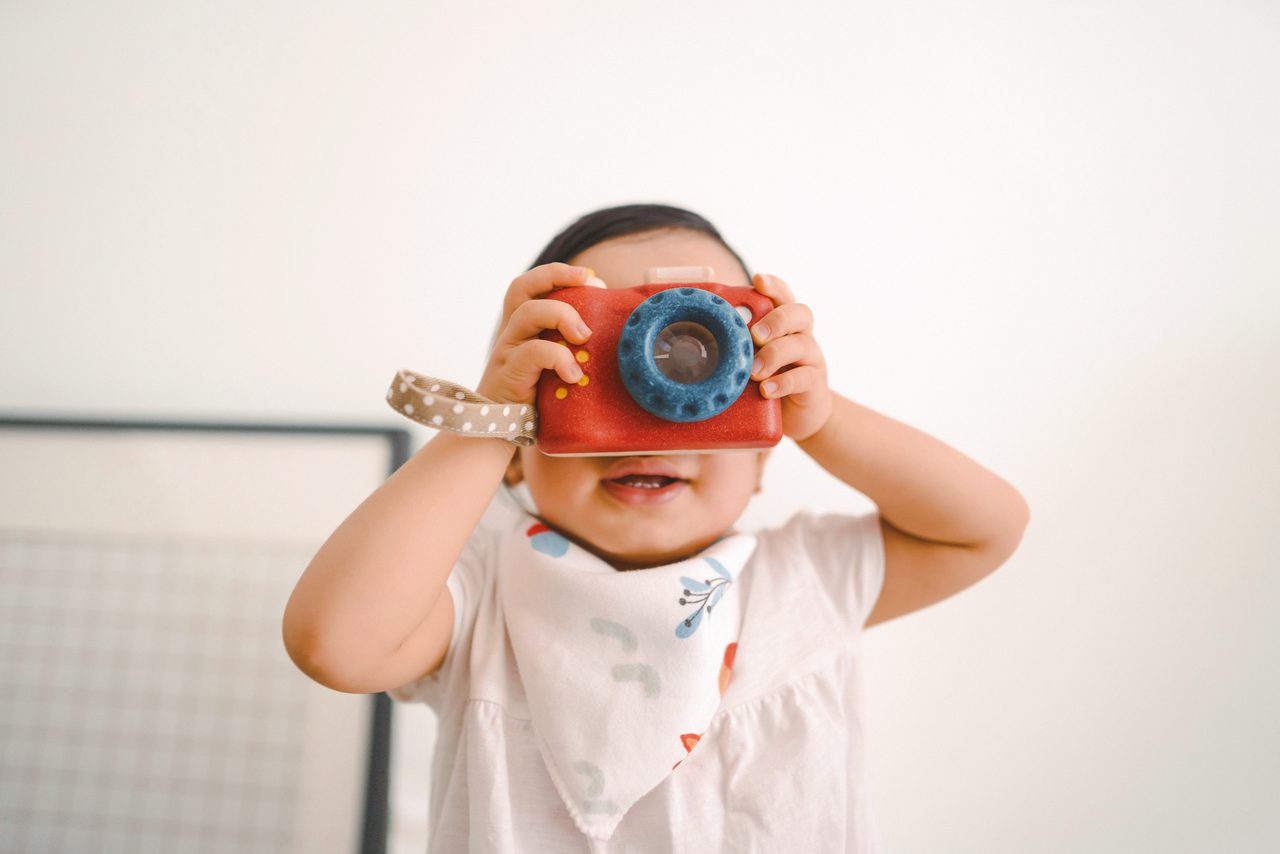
[643, 553]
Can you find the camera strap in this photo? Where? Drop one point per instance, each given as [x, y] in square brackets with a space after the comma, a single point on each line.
[445, 405]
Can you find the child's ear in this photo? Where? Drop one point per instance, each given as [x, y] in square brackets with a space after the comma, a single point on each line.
[515, 470]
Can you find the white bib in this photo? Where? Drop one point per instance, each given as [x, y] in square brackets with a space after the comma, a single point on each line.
[622, 670]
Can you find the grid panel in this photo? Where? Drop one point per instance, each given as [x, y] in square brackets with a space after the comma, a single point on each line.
[148, 703]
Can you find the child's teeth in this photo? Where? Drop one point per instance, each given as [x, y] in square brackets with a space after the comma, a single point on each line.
[644, 481]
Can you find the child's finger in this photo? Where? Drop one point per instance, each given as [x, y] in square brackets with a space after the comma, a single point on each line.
[773, 287]
[531, 358]
[783, 320]
[532, 317]
[542, 280]
[795, 381]
[798, 349]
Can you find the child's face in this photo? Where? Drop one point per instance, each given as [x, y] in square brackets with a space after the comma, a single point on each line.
[570, 492]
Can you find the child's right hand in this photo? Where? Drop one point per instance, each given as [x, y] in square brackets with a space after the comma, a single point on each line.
[519, 356]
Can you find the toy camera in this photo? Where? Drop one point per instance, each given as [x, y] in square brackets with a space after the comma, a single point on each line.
[666, 370]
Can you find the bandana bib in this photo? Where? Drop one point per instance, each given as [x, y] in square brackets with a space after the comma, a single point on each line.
[622, 670]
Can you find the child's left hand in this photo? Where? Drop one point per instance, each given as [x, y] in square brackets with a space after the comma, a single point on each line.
[789, 343]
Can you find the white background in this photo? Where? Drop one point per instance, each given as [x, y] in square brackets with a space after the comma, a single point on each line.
[1044, 233]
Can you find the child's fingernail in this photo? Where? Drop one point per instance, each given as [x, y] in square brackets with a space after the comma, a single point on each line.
[593, 282]
[756, 366]
[762, 331]
[770, 388]
[574, 374]
[583, 330]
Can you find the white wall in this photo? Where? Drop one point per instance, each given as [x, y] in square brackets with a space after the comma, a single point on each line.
[1044, 233]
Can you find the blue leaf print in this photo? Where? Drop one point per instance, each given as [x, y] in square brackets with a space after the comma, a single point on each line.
[703, 594]
[715, 596]
[718, 567]
[693, 584]
[689, 625]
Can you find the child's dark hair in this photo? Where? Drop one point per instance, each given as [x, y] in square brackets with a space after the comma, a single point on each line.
[597, 226]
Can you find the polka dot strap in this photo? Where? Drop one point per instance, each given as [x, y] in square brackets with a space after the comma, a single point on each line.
[448, 406]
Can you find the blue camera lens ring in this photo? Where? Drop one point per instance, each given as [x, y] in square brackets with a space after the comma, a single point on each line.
[664, 397]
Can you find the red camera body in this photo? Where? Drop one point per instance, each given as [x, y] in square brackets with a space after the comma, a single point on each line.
[598, 416]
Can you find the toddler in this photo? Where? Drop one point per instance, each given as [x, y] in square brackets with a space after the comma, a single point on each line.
[619, 669]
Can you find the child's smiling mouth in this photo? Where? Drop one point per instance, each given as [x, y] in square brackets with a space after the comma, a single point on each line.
[641, 481]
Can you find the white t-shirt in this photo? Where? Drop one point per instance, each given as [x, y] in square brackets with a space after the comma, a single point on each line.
[780, 768]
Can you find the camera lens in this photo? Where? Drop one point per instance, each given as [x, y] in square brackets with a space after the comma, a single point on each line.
[686, 352]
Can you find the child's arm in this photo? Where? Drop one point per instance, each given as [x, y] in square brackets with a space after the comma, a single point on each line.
[947, 521]
[378, 579]
[367, 614]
